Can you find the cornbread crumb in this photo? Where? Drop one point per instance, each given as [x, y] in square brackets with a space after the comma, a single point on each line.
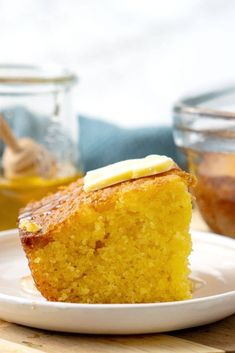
[63, 297]
[29, 226]
[128, 243]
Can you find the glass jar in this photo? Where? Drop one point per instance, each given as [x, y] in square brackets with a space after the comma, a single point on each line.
[204, 130]
[36, 106]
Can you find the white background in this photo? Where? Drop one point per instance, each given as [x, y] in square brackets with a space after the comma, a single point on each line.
[134, 57]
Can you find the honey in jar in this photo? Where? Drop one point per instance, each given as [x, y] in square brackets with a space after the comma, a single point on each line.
[38, 136]
[215, 189]
[204, 129]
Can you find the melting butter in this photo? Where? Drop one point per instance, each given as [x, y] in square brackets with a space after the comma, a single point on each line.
[126, 170]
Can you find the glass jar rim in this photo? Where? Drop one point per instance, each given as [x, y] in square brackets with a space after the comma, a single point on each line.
[193, 115]
[22, 74]
[190, 105]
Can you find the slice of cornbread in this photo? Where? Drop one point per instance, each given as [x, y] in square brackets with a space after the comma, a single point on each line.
[126, 243]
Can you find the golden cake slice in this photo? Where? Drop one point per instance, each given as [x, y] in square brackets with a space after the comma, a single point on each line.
[123, 243]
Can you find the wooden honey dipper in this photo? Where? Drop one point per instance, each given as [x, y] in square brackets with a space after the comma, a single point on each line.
[24, 157]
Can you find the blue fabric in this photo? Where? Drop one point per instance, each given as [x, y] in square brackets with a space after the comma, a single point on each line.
[103, 143]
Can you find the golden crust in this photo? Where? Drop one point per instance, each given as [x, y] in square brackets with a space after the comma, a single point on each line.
[53, 211]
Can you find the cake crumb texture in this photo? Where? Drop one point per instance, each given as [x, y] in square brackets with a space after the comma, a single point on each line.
[128, 243]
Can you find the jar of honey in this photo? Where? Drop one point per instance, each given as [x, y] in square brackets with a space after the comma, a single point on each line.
[204, 130]
[38, 136]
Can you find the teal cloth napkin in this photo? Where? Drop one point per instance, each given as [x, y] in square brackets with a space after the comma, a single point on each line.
[102, 143]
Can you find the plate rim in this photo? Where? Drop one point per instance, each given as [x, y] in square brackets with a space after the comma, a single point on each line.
[218, 239]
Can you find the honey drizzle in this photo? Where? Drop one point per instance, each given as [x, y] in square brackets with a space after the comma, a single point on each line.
[45, 209]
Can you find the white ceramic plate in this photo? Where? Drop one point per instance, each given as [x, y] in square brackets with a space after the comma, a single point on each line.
[212, 262]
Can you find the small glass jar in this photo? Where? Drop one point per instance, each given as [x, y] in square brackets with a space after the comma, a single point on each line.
[36, 104]
[204, 129]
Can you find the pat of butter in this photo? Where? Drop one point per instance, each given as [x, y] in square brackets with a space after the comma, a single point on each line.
[29, 226]
[126, 170]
